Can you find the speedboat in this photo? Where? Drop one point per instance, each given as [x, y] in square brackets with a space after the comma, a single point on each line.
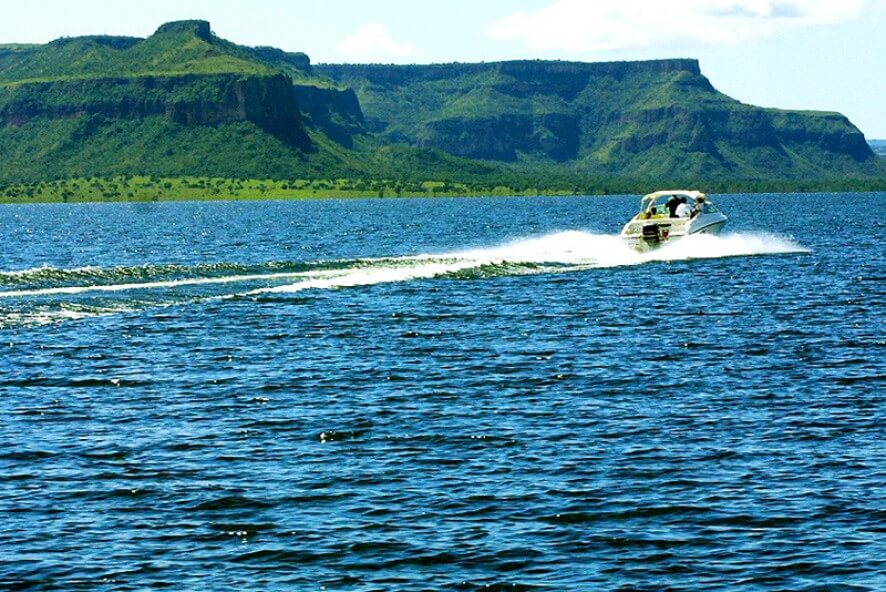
[655, 225]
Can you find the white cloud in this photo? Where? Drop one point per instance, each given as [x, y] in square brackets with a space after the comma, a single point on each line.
[372, 42]
[604, 25]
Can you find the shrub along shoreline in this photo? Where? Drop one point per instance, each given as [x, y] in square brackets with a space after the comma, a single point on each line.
[151, 188]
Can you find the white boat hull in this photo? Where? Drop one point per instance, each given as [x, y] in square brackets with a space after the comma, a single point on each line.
[646, 235]
[654, 226]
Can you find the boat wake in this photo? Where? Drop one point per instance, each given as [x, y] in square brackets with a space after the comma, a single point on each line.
[45, 295]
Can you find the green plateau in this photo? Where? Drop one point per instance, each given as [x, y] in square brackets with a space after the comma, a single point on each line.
[185, 114]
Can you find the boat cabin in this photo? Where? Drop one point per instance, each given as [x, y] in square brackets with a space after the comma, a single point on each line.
[654, 205]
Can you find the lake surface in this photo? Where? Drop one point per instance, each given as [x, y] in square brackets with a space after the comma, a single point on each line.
[452, 394]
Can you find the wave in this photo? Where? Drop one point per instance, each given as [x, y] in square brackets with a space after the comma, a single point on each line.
[231, 279]
[558, 252]
[33, 289]
[48, 276]
[48, 314]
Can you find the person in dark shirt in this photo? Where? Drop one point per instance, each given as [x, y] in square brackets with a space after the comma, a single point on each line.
[672, 206]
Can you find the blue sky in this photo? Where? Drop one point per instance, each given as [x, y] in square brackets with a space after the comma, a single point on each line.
[794, 54]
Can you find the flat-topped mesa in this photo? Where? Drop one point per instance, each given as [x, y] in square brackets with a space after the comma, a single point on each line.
[655, 116]
[398, 74]
[601, 68]
[297, 60]
[198, 28]
[271, 112]
[114, 41]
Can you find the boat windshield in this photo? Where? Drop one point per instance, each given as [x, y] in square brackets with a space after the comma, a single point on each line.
[657, 204]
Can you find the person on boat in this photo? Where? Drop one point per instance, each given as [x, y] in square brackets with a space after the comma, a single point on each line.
[683, 208]
[672, 206]
[699, 206]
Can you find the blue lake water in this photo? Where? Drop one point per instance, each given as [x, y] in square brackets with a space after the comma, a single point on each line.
[453, 394]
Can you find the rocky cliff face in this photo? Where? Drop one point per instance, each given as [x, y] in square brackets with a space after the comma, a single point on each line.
[335, 112]
[284, 59]
[505, 137]
[198, 28]
[188, 100]
[653, 117]
[182, 101]
[184, 87]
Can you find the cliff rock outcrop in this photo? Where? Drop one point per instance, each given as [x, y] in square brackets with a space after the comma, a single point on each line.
[658, 117]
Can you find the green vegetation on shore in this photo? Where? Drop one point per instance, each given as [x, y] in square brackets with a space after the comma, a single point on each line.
[148, 188]
[185, 114]
[138, 188]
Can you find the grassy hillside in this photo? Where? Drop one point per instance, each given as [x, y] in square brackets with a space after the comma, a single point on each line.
[181, 102]
[187, 104]
[642, 119]
[186, 47]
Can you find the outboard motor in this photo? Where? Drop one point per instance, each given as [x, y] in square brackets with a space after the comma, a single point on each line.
[650, 233]
[656, 233]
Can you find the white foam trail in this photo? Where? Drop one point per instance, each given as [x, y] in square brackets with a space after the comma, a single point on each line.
[561, 247]
[51, 317]
[48, 316]
[41, 268]
[377, 275]
[562, 251]
[707, 246]
[230, 279]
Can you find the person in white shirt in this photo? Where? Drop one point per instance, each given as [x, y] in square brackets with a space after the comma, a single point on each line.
[683, 209]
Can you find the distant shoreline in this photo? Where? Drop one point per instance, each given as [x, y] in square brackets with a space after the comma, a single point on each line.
[135, 189]
[148, 189]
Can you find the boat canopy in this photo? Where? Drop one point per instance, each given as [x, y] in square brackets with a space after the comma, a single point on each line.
[652, 197]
